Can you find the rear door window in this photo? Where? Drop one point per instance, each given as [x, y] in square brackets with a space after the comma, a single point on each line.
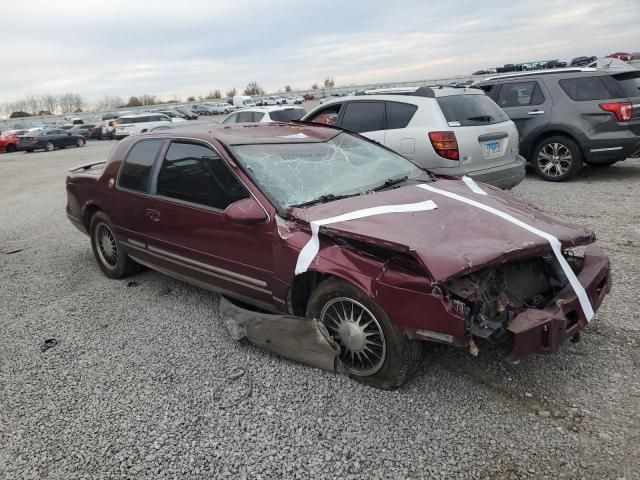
[585, 89]
[287, 115]
[136, 168]
[399, 114]
[196, 174]
[520, 94]
[233, 118]
[257, 116]
[470, 110]
[328, 115]
[362, 117]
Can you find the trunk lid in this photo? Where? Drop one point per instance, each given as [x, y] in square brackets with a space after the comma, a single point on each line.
[455, 238]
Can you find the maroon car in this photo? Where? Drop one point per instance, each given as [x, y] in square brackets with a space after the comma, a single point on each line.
[317, 222]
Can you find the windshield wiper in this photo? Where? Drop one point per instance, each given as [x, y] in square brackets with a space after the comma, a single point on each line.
[389, 182]
[481, 118]
[328, 197]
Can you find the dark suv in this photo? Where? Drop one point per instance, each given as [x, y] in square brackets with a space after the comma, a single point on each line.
[572, 116]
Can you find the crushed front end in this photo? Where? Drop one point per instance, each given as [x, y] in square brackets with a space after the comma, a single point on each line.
[528, 306]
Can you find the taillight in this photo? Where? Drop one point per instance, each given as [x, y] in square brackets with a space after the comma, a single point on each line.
[445, 144]
[622, 110]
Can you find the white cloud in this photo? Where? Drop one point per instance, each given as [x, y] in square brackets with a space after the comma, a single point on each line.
[169, 48]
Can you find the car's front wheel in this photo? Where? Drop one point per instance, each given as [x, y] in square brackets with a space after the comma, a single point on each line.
[373, 349]
[80, 142]
[557, 158]
[49, 146]
[112, 260]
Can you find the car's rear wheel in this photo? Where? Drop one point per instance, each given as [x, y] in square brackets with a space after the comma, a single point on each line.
[373, 349]
[80, 142]
[10, 148]
[112, 260]
[49, 146]
[557, 158]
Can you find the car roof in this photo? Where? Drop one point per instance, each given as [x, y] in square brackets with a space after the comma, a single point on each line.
[254, 133]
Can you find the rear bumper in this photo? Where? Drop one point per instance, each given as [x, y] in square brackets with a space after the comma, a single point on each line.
[613, 149]
[505, 176]
[543, 331]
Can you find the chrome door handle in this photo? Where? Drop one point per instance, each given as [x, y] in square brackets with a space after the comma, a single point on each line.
[535, 112]
[152, 215]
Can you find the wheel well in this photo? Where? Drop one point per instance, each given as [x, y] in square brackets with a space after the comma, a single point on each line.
[88, 214]
[547, 134]
[301, 289]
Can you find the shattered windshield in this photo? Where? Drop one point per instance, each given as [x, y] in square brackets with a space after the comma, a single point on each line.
[298, 173]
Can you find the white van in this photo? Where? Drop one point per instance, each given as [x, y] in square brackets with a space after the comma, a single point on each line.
[145, 122]
[242, 101]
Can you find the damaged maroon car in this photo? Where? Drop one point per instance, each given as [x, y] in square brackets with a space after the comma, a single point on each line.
[311, 221]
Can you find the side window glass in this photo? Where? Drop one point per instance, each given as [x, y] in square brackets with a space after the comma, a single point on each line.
[327, 116]
[196, 174]
[231, 118]
[490, 90]
[136, 168]
[519, 94]
[584, 89]
[399, 114]
[257, 116]
[364, 117]
[245, 117]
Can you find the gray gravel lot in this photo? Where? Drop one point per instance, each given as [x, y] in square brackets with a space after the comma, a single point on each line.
[141, 383]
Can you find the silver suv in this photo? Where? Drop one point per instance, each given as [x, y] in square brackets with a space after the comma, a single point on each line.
[449, 130]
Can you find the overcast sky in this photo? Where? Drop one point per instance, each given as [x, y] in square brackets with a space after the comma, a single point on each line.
[188, 47]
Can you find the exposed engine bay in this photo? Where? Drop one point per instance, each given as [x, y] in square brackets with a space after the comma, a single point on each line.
[490, 298]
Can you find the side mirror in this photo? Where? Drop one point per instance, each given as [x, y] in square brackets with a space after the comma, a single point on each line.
[245, 211]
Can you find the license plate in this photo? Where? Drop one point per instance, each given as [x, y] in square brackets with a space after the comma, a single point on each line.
[492, 149]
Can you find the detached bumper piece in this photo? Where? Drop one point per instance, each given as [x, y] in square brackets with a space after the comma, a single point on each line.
[300, 339]
[543, 331]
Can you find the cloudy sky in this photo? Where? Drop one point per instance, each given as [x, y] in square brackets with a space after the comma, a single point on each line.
[187, 47]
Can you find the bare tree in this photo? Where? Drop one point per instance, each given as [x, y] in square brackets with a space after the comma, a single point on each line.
[287, 88]
[50, 103]
[254, 89]
[148, 99]
[233, 92]
[67, 102]
[78, 103]
[329, 82]
[33, 104]
[191, 98]
[134, 102]
[314, 86]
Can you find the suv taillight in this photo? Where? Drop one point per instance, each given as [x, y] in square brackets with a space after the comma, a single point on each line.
[445, 144]
[622, 110]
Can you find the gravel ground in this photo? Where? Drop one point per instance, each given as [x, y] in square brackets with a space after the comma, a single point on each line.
[144, 381]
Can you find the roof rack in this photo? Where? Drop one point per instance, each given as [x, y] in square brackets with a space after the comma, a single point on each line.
[426, 91]
[542, 72]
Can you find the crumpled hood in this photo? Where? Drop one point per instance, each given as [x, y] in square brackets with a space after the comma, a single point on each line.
[453, 239]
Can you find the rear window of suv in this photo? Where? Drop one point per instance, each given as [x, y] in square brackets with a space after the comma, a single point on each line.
[471, 110]
[629, 82]
[287, 115]
[585, 89]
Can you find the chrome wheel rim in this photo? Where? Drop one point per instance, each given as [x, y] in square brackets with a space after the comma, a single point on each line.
[107, 246]
[355, 328]
[80, 142]
[49, 147]
[554, 159]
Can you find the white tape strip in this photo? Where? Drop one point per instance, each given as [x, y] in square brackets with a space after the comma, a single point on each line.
[310, 250]
[475, 188]
[553, 241]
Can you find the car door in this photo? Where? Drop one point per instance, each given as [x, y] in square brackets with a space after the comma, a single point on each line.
[366, 117]
[192, 236]
[528, 104]
[60, 138]
[133, 210]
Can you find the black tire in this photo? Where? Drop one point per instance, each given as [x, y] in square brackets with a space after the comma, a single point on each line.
[601, 164]
[28, 151]
[119, 267]
[400, 357]
[10, 148]
[557, 158]
[49, 146]
[80, 142]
